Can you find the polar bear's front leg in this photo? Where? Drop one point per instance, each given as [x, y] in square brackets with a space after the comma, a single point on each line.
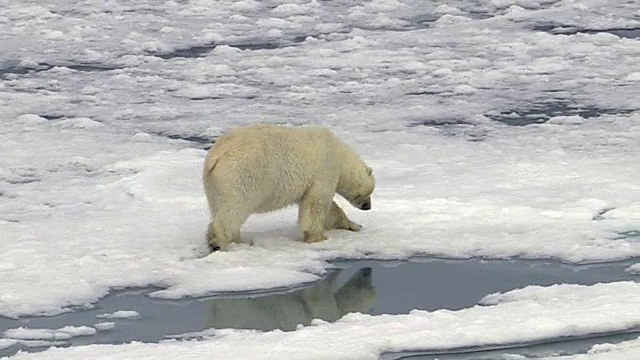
[337, 219]
[311, 217]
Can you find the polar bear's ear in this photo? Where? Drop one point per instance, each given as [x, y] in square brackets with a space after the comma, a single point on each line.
[369, 171]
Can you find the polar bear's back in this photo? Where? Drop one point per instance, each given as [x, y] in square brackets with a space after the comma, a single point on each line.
[270, 167]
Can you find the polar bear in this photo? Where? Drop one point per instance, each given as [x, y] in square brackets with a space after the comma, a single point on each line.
[262, 168]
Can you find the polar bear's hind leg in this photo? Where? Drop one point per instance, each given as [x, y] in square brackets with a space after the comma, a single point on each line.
[224, 229]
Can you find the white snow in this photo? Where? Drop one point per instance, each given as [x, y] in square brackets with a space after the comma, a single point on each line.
[63, 333]
[98, 192]
[120, 314]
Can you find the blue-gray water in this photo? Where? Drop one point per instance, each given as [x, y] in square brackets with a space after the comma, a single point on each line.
[374, 287]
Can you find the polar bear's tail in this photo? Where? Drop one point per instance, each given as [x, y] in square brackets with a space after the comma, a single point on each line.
[216, 153]
[210, 163]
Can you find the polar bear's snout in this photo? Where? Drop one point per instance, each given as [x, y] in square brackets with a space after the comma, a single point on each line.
[362, 202]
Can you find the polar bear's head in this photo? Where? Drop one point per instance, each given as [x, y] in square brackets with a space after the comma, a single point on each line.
[356, 185]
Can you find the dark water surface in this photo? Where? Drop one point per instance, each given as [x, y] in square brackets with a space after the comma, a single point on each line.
[375, 287]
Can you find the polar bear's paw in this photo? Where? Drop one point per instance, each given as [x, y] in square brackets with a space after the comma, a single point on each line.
[311, 238]
[354, 226]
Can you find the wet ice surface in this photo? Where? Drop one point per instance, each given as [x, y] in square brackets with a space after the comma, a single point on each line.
[566, 347]
[502, 129]
[371, 287]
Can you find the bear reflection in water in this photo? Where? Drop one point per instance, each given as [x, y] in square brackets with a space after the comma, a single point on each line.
[325, 300]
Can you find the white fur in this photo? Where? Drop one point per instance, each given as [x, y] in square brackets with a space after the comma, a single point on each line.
[263, 168]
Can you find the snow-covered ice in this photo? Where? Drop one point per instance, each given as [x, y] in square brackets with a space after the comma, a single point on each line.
[63, 333]
[106, 108]
[39, 338]
[120, 314]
